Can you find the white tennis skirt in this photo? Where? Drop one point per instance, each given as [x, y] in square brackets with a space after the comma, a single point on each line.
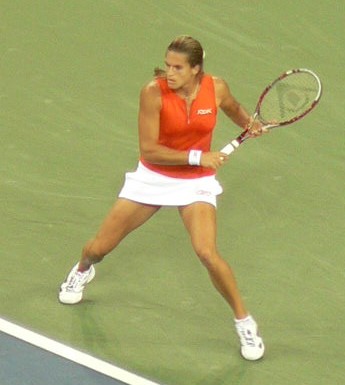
[149, 187]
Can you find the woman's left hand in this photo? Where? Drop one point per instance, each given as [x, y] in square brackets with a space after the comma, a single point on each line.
[255, 128]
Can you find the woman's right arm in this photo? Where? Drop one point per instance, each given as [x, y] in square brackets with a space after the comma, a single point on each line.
[149, 120]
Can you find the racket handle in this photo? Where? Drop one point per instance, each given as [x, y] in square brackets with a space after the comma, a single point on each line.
[230, 147]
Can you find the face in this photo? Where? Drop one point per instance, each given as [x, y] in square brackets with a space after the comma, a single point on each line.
[179, 72]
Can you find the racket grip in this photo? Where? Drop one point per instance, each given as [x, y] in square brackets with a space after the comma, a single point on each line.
[230, 147]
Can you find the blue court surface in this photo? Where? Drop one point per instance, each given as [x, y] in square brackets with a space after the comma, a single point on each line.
[27, 358]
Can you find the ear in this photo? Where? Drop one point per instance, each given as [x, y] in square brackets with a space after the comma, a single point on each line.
[196, 69]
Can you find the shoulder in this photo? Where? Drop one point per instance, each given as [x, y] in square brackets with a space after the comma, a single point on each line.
[150, 89]
[221, 88]
[150, 94]
[220, 84]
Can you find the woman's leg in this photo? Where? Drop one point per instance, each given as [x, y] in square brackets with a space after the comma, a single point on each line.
[124, 217]
[200, 221]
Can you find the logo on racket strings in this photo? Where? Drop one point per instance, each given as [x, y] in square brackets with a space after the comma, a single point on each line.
[292, 100]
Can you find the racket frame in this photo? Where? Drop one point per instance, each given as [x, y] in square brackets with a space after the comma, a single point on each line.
[234, 144]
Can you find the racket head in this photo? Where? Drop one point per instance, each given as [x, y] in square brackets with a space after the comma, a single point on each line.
[289, 98]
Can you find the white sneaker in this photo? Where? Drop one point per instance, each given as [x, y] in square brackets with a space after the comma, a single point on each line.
[71, 291]
[252, 346]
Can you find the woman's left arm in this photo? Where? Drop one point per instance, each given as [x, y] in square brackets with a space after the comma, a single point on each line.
[234, 110]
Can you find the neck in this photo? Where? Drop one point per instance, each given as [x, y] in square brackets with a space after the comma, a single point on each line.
[190, 91]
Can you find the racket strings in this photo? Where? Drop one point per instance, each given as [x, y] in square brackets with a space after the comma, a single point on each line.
[289, 98]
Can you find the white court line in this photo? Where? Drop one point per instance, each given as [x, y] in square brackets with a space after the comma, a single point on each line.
[72, 354]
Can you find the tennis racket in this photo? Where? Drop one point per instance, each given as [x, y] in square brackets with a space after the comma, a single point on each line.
[286, 100]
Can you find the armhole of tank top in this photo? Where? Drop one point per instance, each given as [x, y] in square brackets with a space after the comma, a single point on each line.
[212, 78]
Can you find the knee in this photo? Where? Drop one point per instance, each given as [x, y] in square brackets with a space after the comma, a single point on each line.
[208, 256]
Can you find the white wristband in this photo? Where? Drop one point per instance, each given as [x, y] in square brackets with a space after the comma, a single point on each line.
[194, 157]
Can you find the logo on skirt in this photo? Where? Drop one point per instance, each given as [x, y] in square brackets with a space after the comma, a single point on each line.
[204, 192]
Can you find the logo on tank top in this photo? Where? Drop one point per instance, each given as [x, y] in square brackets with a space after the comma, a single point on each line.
[206, 111]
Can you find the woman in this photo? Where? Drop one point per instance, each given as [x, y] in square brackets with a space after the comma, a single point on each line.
[177, 116]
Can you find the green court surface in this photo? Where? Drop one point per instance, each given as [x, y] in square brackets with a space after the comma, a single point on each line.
[70, 75]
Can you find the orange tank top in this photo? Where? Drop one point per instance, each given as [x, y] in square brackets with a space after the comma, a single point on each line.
[182, 131]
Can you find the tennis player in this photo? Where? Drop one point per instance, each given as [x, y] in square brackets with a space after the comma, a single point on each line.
[177, 116]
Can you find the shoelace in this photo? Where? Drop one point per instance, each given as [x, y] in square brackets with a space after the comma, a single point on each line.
[76, 280]
[246, 337]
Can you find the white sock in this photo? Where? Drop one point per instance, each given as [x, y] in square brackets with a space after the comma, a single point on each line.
[248, 318]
